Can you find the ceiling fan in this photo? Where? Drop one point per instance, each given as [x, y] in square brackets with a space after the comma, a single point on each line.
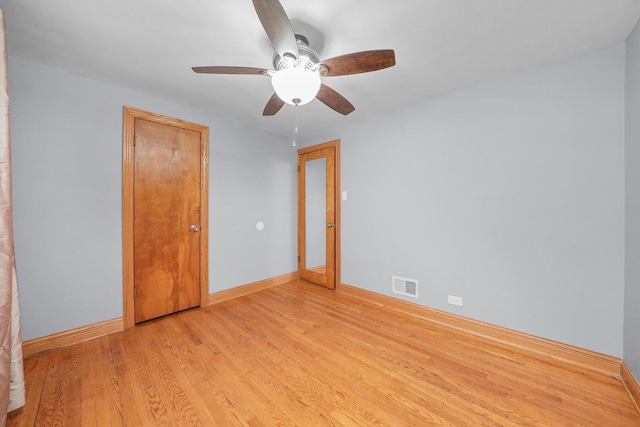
[297, 68]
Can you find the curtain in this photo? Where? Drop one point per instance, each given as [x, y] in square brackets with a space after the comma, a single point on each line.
[12, 393]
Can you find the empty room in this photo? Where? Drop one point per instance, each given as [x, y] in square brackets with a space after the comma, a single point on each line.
[321, 212]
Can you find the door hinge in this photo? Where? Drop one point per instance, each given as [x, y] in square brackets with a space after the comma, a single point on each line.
[298, 168]
[298, 258]
[135, 292]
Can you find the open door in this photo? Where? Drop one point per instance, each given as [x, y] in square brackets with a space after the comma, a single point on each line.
[319, 214]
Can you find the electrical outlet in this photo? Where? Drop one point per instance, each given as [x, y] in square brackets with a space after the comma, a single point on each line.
[454, 300]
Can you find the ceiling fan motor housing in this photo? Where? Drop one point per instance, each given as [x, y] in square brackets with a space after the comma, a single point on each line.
[307, 57]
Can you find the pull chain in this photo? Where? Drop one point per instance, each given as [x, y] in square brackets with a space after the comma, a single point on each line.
[295, 129]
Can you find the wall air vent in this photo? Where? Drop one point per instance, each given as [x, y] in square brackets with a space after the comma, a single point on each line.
[404, 286]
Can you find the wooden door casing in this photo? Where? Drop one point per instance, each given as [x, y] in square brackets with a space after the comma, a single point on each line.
[148, 262]
[331, 152]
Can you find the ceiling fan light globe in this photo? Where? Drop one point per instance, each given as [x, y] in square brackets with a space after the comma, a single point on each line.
[296, 86]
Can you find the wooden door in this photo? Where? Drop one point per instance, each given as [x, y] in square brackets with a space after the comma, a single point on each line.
[167, 216]
[319, 214]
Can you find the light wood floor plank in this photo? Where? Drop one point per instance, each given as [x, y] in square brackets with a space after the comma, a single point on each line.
[302, 355]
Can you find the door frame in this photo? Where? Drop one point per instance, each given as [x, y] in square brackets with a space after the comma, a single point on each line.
[335, 144]
[128, 163]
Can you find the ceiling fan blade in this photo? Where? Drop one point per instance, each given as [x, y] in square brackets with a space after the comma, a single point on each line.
[277, 26]
[360, 62]
[273, 105]
[334, 100]
[230, 70]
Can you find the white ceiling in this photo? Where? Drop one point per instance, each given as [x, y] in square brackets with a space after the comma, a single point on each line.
[440, 45]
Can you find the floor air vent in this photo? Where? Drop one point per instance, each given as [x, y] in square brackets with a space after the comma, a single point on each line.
[404, 286]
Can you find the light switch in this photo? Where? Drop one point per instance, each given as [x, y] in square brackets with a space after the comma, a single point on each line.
[344, 196]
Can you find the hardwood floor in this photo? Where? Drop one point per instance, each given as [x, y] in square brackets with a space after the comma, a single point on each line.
[302, 355]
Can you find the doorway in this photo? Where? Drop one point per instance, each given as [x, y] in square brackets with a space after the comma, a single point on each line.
[319, 214]
[165, 215]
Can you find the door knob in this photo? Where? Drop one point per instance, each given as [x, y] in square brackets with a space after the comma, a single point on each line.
[330, 225]
[194, 227]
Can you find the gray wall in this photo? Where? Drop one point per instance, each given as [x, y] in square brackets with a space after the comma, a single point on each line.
[632, 255]
[67, 168]
[509, 194]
